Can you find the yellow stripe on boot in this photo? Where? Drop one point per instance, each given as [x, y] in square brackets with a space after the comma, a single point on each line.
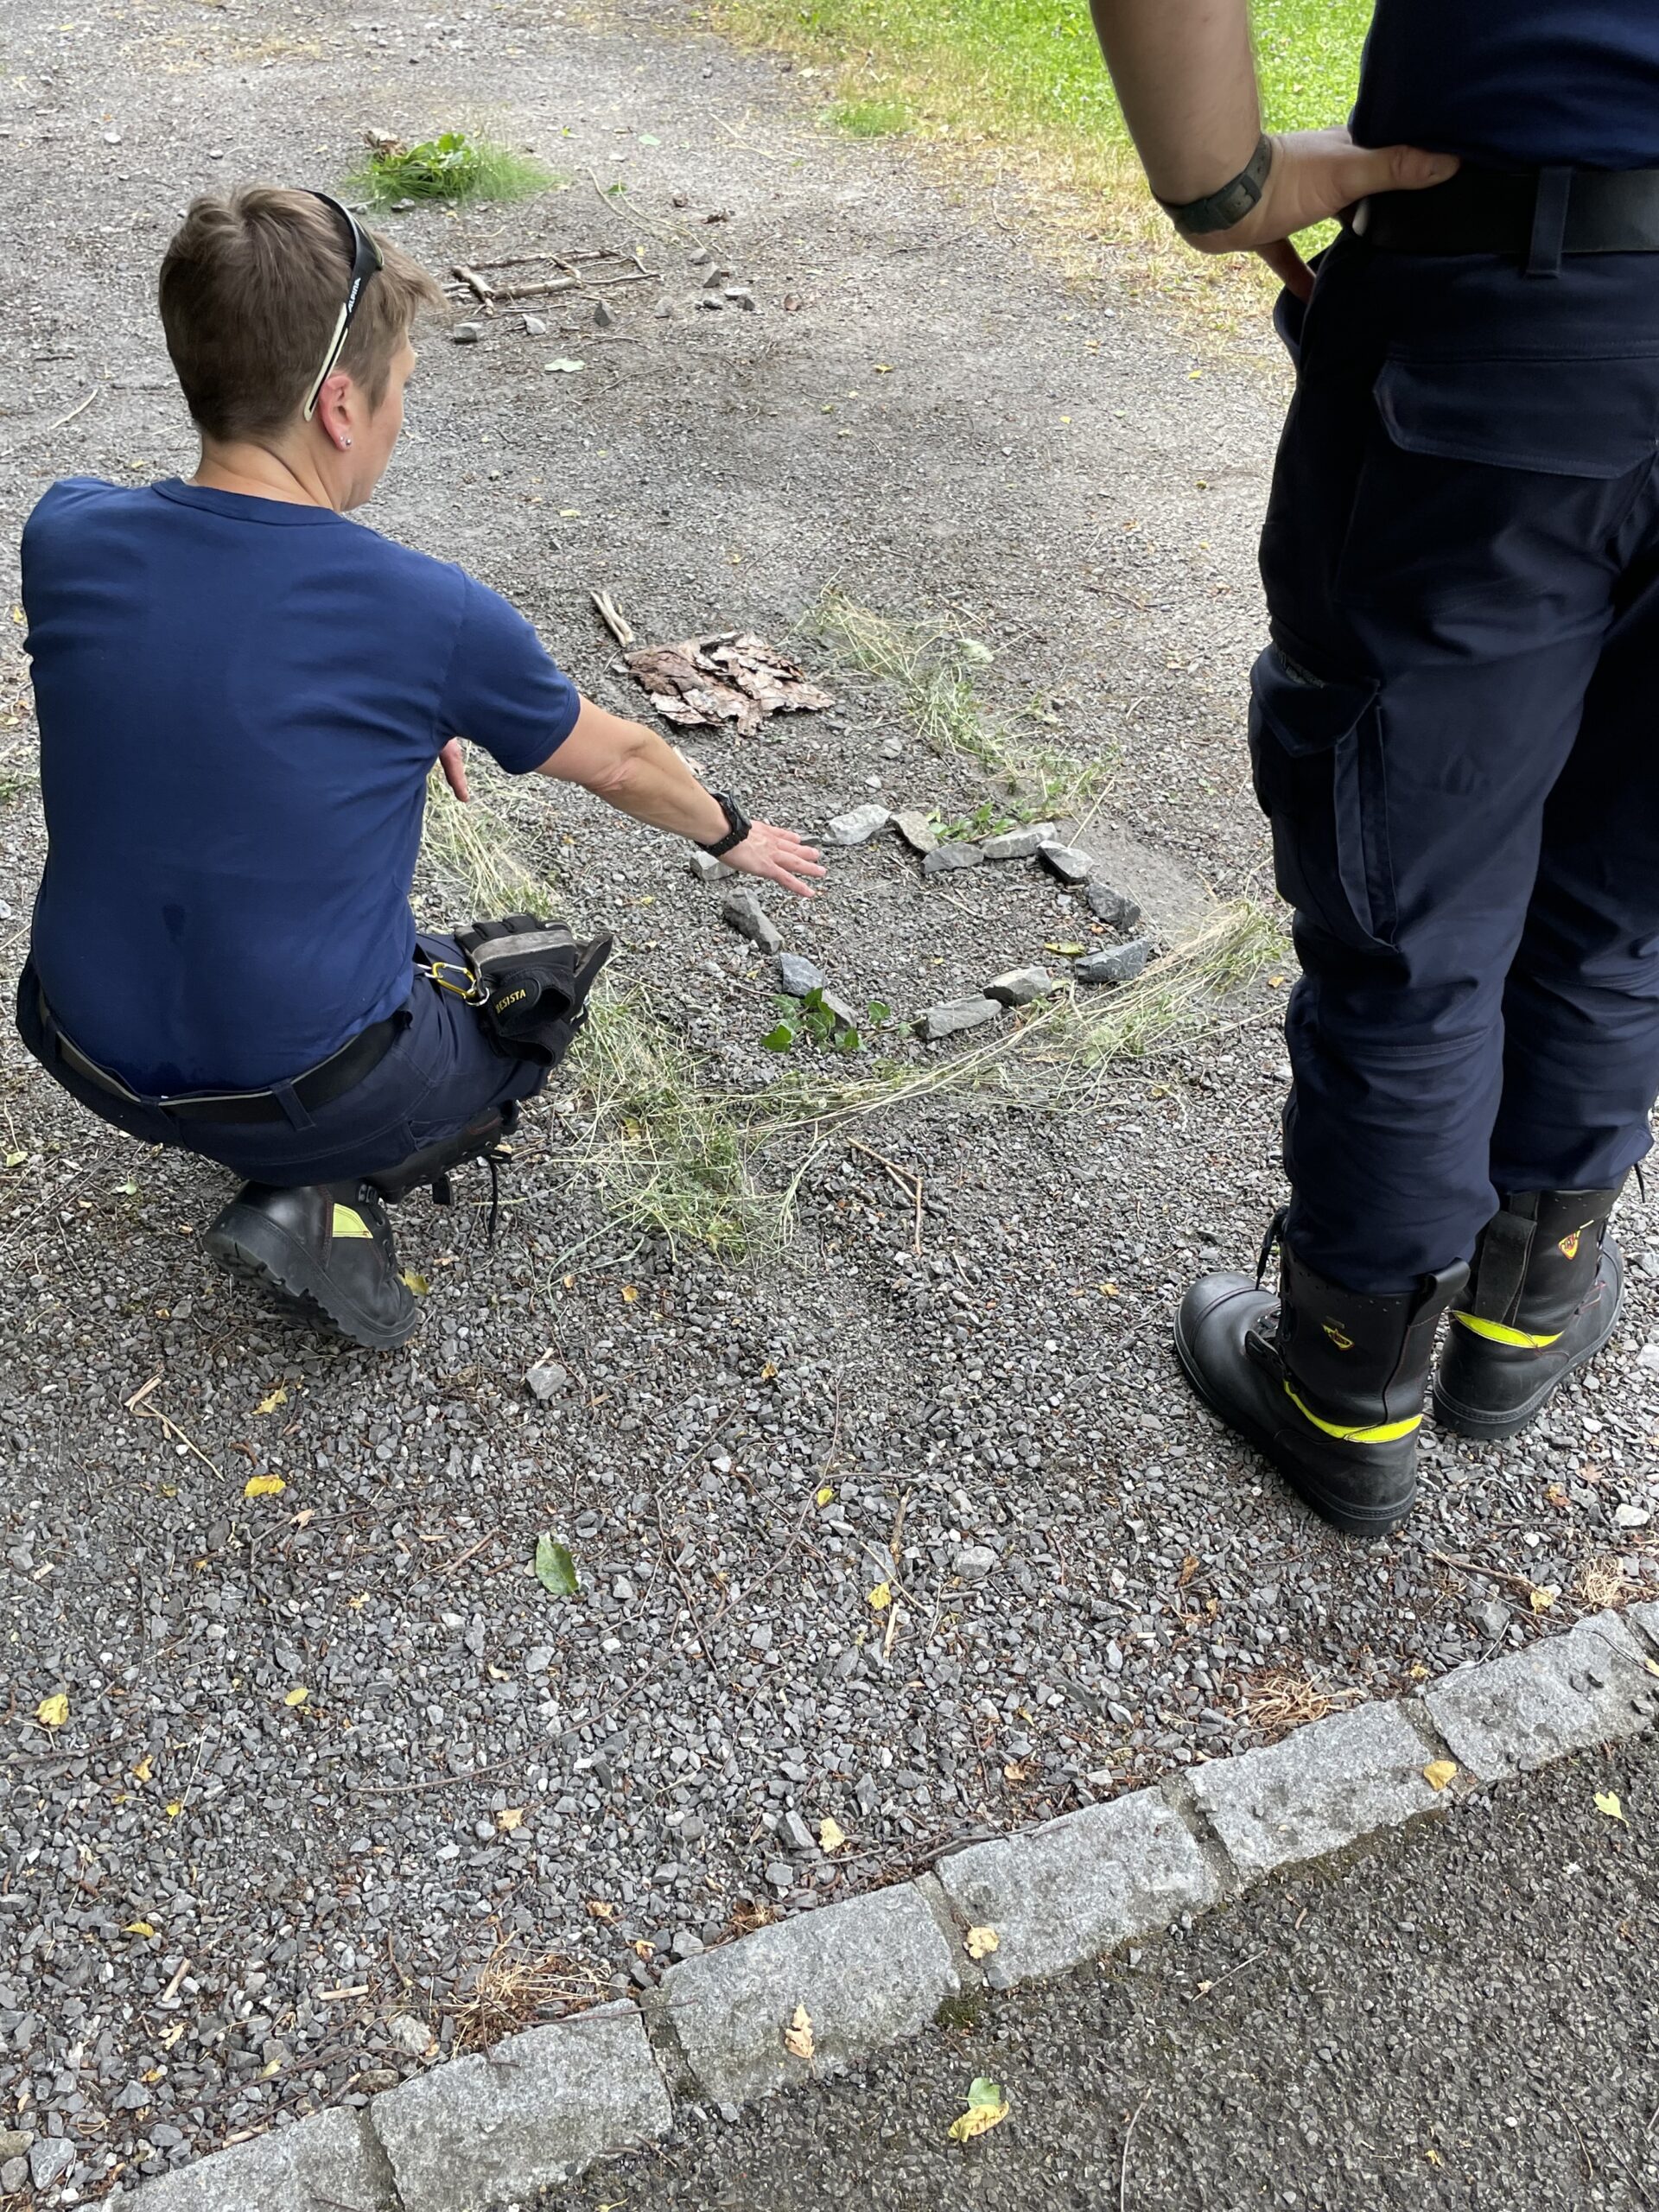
[348, 1224]
[1387, 1431]
[1499, 1332]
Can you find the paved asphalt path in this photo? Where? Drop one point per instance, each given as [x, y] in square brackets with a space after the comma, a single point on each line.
[1463, 2014]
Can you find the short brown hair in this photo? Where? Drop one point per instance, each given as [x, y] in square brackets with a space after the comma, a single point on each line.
[251, 289]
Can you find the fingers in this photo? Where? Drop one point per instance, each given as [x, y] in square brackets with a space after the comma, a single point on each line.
[454, 764]
[1288, 267]
[779, 856]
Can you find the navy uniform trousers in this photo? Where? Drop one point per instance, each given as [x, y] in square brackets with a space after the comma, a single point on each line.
[1455, 737]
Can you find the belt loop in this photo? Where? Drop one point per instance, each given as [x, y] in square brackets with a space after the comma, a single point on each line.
[1549, 222]
[289, 1099]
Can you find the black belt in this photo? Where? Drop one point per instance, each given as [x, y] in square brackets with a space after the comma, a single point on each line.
[1531, 215]
[319, 1086]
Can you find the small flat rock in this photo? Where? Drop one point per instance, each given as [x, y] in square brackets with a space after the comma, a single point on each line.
[1019, 985]
[535, 325]
[793, 1831]
[541, 2107]
[546, 1380]
[1065, 1893]
[707, 869]
[465, 333]
[14, 2176]
[1019, 844]
[1118, 963]
[1562, 1693]
[797, 975]
[974, 1562]
[858, 826]
[1067, 861]
[1116, 908]
[410, 2035]
[951, 860]
[50, 2159]
[954, 1015]
[869, 1972]
[1647, 1617]
[1632, 1516]
[917, 832]
[331, 2159]
[740, 296]
[741, 913]
[1325, 1785]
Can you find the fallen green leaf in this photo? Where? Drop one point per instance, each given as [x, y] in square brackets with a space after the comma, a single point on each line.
[419, 1284]
[562, 367]
[555, 1568]
[778, 1039]
[987, 2104]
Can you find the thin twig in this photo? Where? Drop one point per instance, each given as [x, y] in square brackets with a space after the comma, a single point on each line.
[619, 203]
[1123, 2172]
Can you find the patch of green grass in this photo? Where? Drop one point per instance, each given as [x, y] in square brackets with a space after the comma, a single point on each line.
[469, 853]
[1020, 86]
[870, 119]
[457, 165]
[932, 667]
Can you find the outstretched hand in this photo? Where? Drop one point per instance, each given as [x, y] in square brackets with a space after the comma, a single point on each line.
[1314, 175]
[779, 856]
[453, 762]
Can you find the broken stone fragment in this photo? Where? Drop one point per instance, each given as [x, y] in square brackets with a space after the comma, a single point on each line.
[602, 316]
[535, 325]
[739, 911]
[1019, 985]
[545, 1380]
[1019, 844]
[956, 1013]
[1067, 862]
[798, 974]
[465, 333]
[843, 1016]
[950, 860]
[917, 832]
[1114, 908]
[740, 296]
[707, 869]
[1120, 963]
[858, 827]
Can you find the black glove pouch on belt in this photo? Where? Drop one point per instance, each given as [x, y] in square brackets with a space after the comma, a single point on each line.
[533, 979]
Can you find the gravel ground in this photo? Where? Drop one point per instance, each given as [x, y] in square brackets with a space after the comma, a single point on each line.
[216, 1903]
[1462, 2015]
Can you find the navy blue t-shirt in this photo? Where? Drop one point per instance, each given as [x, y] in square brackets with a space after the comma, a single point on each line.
[238, 702]
[1515, 84]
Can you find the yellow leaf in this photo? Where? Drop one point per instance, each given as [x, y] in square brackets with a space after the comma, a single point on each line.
[53, 1711]
[988, 2103]
[512, 1818]
[1652, 1666]
[358, 1603]
[297, 1696]
[980, 1942]
[797, 2036]
[600, 1911]
[419, 1284]
[570, 1282]
[630, 1292]
[264, 1486]
[826, 1496]
[1438, 1772]
[1433, 2156]
[831, 1834]
[278, 1397]
[880, 1596]
[137, 1928]
[143, 1770]
[1607, 1801]
[174, 1808]
[1544, 1597]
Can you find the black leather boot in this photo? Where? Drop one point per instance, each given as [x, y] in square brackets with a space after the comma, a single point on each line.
[1548, 1286]
[325, 1247]
[1327, 1384]
[430, 1166]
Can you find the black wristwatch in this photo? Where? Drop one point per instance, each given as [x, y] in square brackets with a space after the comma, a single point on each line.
[738, 825]
[1219, 210]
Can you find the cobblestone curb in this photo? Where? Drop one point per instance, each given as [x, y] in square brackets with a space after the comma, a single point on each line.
[480, 2133]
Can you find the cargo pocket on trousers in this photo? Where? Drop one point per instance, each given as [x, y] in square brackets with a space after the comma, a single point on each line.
[1317, 757]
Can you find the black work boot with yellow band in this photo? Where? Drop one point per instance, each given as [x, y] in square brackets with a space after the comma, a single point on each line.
[1544, 1296]
[1327, 1384]
[325, 1248]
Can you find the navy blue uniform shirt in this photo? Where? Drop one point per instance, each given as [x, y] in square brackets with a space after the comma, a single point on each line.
[238, 702]
[1515, 84]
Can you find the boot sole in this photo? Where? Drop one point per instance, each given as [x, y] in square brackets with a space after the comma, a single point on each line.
[253, 1248]
[1351, 1519]
[1492, 1428]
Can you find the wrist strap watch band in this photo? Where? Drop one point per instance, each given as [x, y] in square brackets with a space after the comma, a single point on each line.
[1219, 210]
[738, 825]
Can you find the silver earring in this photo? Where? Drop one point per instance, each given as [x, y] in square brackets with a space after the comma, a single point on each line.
[345, 442]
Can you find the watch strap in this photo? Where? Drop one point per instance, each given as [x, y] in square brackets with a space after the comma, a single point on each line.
[1219, 210]
[738, 825]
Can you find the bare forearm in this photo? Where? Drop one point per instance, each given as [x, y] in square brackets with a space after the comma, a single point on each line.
[1185, 79]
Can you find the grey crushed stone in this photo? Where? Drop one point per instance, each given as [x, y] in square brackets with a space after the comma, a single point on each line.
[1116, 908]
[858, 827]
[1117, 963]
[1154, 1581]
[1019, 844]
[1019, 985]
[916, 831]
[742, 912]
[1070, 864]
[956, 1016]
[952, 860]
[797, 975]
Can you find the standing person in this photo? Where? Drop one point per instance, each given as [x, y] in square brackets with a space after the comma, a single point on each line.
[1451, 730]
[240, 695]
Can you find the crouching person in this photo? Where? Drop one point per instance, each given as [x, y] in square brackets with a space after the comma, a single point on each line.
[239, 695]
